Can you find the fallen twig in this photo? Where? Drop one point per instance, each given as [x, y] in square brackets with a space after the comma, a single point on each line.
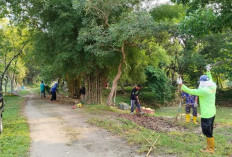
[153, 146]
[145, 138]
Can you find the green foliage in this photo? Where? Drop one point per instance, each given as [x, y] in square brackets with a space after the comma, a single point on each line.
[199, 23]
[168, 13]
[76, 38]
[134, 71]
[137, 60]
[150, 98]
[217, 48]
[133, 26]
[224, 95]
[222, 9]
[14, 43]
[158, 82]
[24, 92]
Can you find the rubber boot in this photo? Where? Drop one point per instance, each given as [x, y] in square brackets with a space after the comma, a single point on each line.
[195, 120]
[187, 118]
[210, 146]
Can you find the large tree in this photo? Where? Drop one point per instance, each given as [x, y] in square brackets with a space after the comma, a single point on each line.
[111, 28]
[14, 42]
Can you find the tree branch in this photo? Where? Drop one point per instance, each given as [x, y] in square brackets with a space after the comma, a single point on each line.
[9, 63]
[104, 16]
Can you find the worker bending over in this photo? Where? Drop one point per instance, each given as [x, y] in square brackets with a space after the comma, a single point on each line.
[135, 98]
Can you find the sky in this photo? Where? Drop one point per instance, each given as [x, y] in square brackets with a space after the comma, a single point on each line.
[151, 3]
[160, 1]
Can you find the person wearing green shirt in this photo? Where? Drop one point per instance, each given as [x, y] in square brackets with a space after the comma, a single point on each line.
[207, 95]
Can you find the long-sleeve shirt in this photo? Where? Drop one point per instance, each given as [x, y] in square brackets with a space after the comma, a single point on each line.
[54, 88]
[207, 96]
[190, 99]
[134, 94]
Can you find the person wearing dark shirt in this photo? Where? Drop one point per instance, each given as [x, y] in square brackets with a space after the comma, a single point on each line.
[135, 98]
[53, 91]
[82, 93]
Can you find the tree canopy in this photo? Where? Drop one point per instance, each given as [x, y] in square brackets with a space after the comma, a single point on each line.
[88, 42]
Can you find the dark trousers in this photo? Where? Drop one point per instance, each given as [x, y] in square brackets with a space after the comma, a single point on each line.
[207, 126]
[53, 96]
[133, 103]
[43, 94]
[188, 108]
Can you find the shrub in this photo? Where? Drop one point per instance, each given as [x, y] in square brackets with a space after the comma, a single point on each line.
[158, 82]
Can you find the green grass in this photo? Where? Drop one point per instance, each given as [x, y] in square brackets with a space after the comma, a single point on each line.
[35, 90]
[15, 139]
[173, 143]
[169, 143]
[33, 85]
[101, 109]
[24, 92]
[224, 114]
[123, 99]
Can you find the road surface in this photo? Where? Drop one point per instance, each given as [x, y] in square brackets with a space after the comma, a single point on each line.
[57, 130]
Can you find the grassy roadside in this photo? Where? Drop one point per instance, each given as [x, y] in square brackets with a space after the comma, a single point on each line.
[170, 143]
[35, 88]
[24, 92]
[15, 139]
[224, 114]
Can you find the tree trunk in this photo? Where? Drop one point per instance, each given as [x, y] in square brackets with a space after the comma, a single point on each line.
[76, 87]
[94, 88]
[70, 84]
[1, 91]
[6, 83]
[12, 85]
[13, 77]
[117, 77]
[7, 65]
[115, 96]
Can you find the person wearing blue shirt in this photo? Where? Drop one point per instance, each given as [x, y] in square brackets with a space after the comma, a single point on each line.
[191, 102]
[53, 91]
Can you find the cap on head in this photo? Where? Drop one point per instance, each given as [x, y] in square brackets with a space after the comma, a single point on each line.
[204, 78]
[139, 86]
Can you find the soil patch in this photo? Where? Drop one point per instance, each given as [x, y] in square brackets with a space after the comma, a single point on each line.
[159, 124]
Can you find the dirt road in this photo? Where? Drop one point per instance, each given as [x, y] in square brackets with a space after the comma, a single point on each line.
[58, 131]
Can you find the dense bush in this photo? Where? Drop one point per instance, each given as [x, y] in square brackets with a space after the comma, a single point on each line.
[223, 97]
[149, 99]
[159, 84]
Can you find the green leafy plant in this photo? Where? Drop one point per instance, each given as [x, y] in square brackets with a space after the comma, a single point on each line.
[158, 82]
